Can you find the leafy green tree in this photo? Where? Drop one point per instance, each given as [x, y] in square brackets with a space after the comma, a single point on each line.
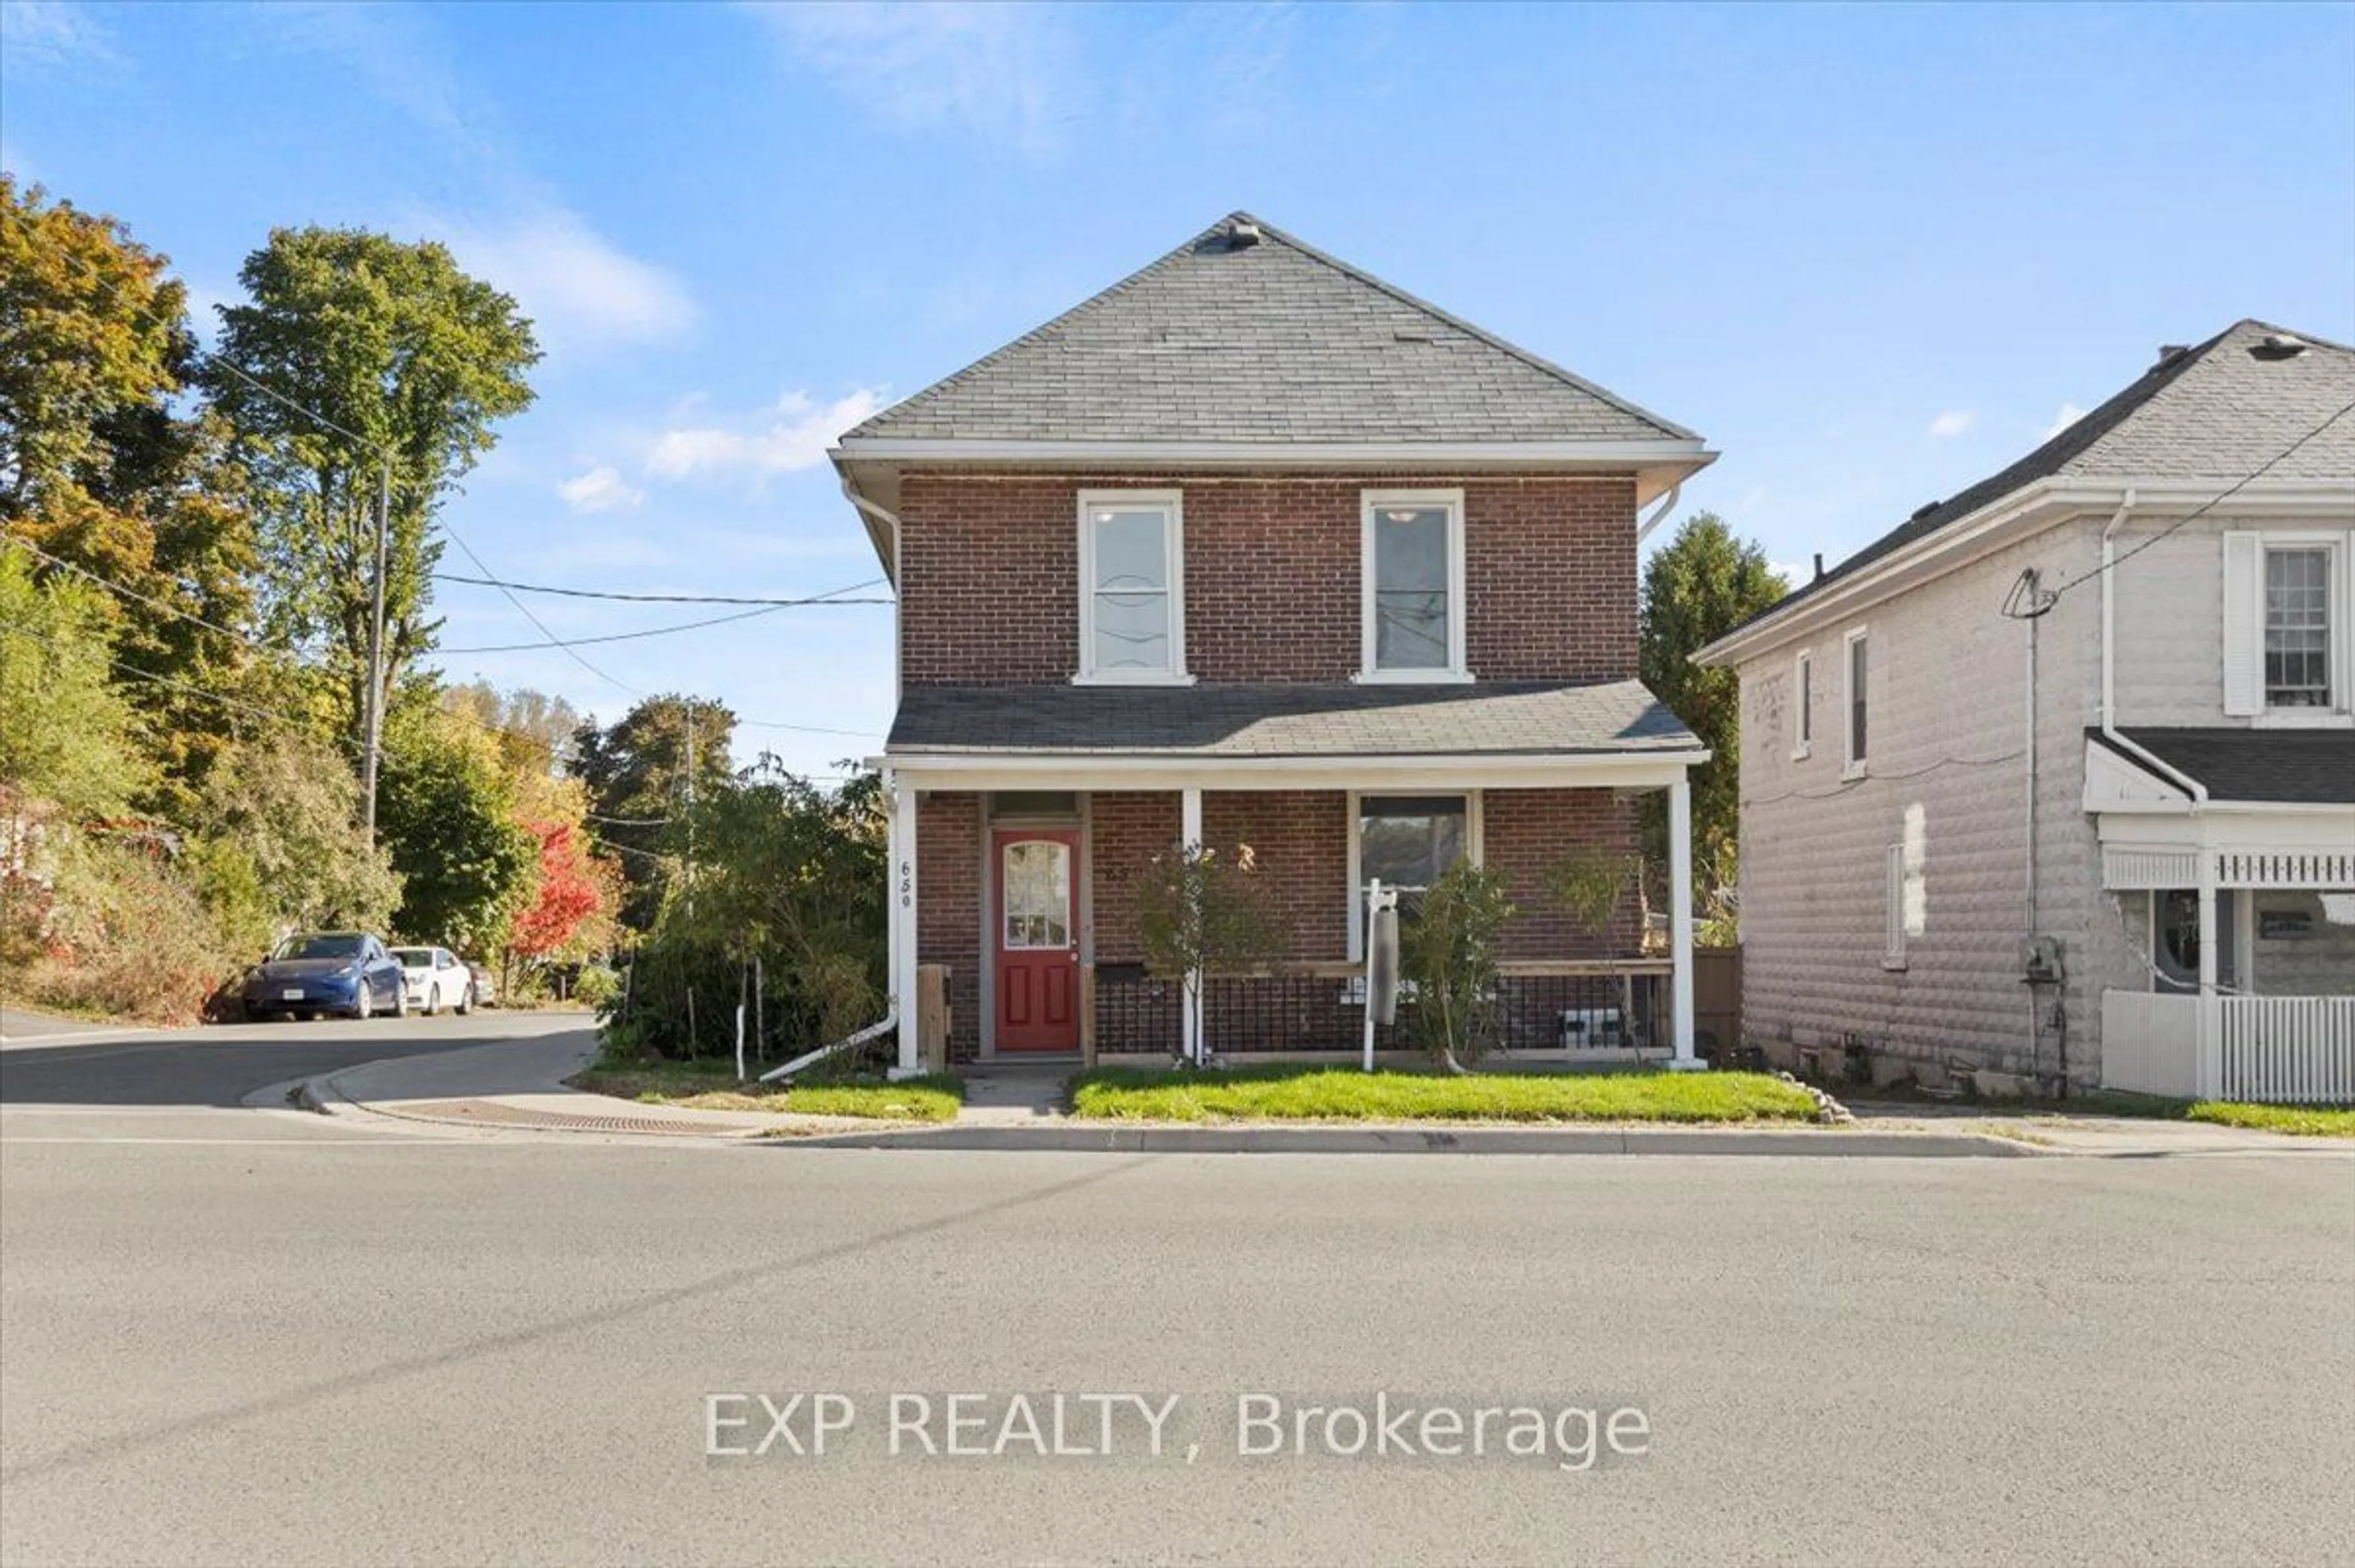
[447, 812]
[1700, 586]
[289, 807]
[67, 736]
[1199, 913]
[404, 355]
[636, 775]
[102, 474]
[787, 875]
[1449, 952]
[89, 327]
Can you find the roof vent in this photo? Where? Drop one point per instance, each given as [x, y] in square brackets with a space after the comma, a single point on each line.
[2279, 345]
[1819, 566]
[1925, 509]
[1242, 234]
[2168, 353]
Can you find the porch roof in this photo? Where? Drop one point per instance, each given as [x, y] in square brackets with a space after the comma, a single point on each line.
[1303, 721]
[2305, 767]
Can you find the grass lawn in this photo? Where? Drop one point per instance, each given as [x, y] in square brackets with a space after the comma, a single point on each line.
[2302, 1121]
[1309, 1093]
[710, 1085]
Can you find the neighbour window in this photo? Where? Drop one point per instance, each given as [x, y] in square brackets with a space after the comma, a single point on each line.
[1412, 568]
[1857, 665]
[2297, 627]
[1132, 604]
[1802, 700]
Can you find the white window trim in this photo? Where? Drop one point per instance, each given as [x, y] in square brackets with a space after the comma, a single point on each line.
[1802, 696]
[2340, 577]
[1456, 673]
[1172, 505]
[1852, 765]
[1474, 850]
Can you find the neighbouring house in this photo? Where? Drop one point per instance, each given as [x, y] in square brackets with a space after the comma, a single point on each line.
[1254, 547]
[2057, 779]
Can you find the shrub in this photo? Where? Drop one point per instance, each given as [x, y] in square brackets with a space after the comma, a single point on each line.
[1449, 952]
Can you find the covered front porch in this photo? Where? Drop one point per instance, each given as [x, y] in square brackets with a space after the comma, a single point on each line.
[1025, 817]
[2241, 911]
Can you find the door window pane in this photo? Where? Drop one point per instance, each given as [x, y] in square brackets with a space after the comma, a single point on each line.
[1035, 886]
[1411, 599]
[2297, 628]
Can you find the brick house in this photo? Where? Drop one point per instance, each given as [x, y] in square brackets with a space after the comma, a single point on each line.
[1253, 548]
[2057, 779]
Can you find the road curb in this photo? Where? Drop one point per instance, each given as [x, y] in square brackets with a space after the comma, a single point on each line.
[1102, 1138]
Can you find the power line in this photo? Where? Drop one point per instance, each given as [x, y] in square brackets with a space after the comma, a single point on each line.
[621, 636]
[2038, 603]
[832, 596]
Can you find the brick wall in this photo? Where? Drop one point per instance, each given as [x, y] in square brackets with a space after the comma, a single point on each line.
[1526, 833]
[948, 907]
[1300, 844]
[1125, 831]
[989, 575]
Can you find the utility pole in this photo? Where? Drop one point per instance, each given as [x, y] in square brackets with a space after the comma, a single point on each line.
[690, 808]
[373, 738]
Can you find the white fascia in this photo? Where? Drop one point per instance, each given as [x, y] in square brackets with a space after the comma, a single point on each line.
[2029, 509]
[1082, 769]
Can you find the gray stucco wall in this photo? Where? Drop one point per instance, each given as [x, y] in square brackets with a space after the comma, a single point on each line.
[1949, 755]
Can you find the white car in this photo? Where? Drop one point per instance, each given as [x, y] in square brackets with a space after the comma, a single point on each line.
[435, 979]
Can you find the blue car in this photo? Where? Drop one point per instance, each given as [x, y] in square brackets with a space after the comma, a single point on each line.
[346, 972]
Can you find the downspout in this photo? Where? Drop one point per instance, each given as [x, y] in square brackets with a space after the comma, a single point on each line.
[1668, 504]
[2035, 1003]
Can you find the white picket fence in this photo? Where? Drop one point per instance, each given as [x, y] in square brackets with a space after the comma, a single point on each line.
[2292, 1051]
[2297, 1050]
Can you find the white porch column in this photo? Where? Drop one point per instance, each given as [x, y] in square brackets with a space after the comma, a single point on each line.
[1190, 835]
[903, 927]
[1681, 921]
[2208, 1071]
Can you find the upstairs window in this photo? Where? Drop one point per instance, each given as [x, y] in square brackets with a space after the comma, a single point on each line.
[1132, 587]
[1803, 705]
[2298, 626]
[1858, 663]
[1412, 567]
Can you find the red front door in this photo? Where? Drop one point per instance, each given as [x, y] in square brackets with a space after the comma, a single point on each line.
[1038, 939]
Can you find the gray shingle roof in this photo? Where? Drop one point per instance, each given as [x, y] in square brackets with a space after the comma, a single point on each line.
[2217, 411]
[1289, 720]
[1272, 342]
[2309, 767]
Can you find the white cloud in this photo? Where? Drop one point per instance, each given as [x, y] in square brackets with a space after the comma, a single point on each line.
[2070, 414]
[1953, 422]
[600, 489]
[577, 286]
[1006, 72]
[795, 436]
[55, 32]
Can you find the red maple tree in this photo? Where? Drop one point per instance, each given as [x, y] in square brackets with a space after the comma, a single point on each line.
[569, 892]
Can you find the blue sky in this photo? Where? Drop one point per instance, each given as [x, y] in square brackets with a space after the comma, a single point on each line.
[1871, 254]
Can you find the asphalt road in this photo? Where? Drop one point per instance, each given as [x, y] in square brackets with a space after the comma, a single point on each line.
[248, 1336]
[66, 1063]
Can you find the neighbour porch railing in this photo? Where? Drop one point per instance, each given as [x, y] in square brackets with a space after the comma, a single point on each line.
[2288, 1049]
[1599, 1009]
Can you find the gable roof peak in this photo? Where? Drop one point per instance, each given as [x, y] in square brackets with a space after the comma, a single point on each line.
[1311, 350]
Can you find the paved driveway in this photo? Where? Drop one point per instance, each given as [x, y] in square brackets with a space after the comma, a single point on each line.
[255, 1337]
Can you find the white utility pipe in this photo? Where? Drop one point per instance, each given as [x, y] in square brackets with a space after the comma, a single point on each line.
[872, 1031]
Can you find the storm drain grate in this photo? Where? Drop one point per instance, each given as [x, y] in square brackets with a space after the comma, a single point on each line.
[488, 1114]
